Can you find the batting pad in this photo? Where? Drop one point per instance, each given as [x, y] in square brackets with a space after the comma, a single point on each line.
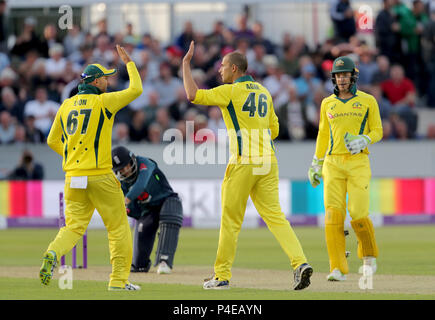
[366, 237]
[335, 240]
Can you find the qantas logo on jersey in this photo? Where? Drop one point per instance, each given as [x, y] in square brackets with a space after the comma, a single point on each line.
[143, 166]
[344, 114]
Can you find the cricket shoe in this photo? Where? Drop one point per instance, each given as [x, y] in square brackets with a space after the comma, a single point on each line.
[370, 262]
[163, 268]
[336, 275]
[49, 262]
[141, 269]
[302, 276]
[216, 284]
[128, 287]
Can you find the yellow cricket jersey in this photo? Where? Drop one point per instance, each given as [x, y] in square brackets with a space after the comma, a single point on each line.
[357, 115]
[249, 116]
[82, 129]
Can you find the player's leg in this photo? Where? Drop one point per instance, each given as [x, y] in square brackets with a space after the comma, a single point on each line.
[334, 180]
[358, 205]
[143, 241]
[171, 220]
[106, 194]
[236, 187]
[265, 196]
[78, 213]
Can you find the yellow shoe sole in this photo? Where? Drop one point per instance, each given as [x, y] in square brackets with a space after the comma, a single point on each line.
[49, 262]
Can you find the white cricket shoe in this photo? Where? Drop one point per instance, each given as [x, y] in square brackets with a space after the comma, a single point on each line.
[216, 284]
[336, 275]
[163, 268]
[128, 287]
[370, 262]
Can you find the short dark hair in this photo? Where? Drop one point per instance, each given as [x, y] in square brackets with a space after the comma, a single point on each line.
[239, 60]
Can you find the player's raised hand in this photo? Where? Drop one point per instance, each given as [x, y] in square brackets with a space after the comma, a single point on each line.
[189, 53]
[123, 54]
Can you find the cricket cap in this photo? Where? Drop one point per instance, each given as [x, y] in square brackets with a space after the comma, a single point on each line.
[94, 71]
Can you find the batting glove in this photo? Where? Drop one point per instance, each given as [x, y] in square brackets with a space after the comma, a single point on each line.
[356, 144]
[315, 171]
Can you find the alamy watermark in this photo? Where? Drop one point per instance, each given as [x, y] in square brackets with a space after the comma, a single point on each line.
[66, 278]
[66, 19]
[366, 280]
[248, 147]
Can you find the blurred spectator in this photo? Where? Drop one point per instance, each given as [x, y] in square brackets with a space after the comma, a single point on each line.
[383, 70]
[27, 40]
[55, 66]
[384, 104]
[343, 20]
[215, 121]
[242, 30]
[428, 42]
[257, 29]
[20, 135]
[11, 104]
[256, 65]
[216, 37]
[42, 109]
[74, 40]
[186, 36]
[4, 30]
[102, 28]
[167, 86]
[387, 129]
[152, 107]
[33, 134]
[307, 84]
[28, 169]
[121, 133]
[277, 82]
[290, 61]
[102, 53]
[137, 128]
[7, 128]
[180, 106]
[50, 39]
[164, 120]
[400, 128]
[387, 32]
[201, 132]
[155, 133]
[399, 90]
[367, 68]
[295, 121]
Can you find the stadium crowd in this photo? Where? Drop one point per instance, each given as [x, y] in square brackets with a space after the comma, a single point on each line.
[39, 71]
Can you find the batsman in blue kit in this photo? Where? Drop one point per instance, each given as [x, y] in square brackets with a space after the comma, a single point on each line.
[152, 202]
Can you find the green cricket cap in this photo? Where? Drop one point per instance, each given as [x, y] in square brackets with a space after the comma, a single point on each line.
[94, 71]
[343, 64]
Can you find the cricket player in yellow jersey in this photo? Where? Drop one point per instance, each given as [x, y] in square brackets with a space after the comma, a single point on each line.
[81, 133]
[251, 122]
[349, 122]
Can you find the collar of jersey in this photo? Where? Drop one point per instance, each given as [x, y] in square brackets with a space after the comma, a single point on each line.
[88, 89]
[244, 78]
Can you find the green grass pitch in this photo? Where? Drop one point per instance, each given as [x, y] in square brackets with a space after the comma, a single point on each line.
[404, 251]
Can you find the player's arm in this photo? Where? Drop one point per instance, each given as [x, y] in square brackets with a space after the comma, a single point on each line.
[189, 83]
[322, 140]
[114, 101]
[145, 173]
[374, 123]
[315, 170]
[55, 138]
[273, 122]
